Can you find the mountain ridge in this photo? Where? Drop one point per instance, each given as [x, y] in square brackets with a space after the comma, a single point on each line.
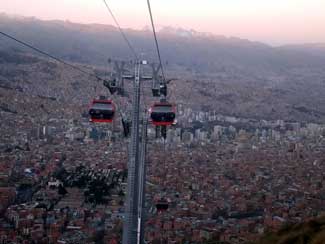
[235, 77]
[186, 49]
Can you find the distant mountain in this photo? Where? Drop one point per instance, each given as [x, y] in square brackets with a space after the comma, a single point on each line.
[201, 52]
[316, 49]
[229, 75]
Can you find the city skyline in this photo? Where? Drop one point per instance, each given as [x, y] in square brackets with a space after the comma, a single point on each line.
[275, 23]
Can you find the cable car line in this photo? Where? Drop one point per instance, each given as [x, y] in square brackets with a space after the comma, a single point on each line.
[121, 30]
[51, 56]
[162, 114]
[156, 40]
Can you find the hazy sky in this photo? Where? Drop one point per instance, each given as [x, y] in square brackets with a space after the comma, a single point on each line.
[271, 21]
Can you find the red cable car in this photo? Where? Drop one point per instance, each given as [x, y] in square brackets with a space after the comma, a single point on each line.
[163, 114]
[102, 111]
[162, 205]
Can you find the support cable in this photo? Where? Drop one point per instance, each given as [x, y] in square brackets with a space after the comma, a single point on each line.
[51, 56]
[156, 40]
[121, 30]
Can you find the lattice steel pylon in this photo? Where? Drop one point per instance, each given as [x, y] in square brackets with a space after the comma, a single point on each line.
[142, 180]
[133, 226]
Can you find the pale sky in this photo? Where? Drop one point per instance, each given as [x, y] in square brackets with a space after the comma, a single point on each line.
[271, 21]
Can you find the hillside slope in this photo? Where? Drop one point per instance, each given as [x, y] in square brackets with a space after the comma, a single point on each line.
[229, 75]
[312, 232]
[202, 53]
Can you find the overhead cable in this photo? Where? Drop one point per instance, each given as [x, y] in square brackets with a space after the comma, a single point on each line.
[156, 40]
[51, 56]
[121, 30]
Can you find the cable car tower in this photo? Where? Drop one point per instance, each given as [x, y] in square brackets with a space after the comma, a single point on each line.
[103, 111]
[134, 220]
[133, 228]
[161, 113]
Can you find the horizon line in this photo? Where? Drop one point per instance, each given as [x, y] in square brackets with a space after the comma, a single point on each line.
[162, 27]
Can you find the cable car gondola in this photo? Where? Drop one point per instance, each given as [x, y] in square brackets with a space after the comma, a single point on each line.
[102, 111]
[162, 205]
[163, 114]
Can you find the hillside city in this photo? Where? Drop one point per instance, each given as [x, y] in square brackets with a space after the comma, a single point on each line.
[244, 157]
[225, 178]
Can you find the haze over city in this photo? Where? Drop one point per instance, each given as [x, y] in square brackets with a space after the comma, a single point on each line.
[209, 130]
[275, 22]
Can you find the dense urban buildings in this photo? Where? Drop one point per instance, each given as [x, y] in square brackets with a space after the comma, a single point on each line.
[244, 158]
[225, 178]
